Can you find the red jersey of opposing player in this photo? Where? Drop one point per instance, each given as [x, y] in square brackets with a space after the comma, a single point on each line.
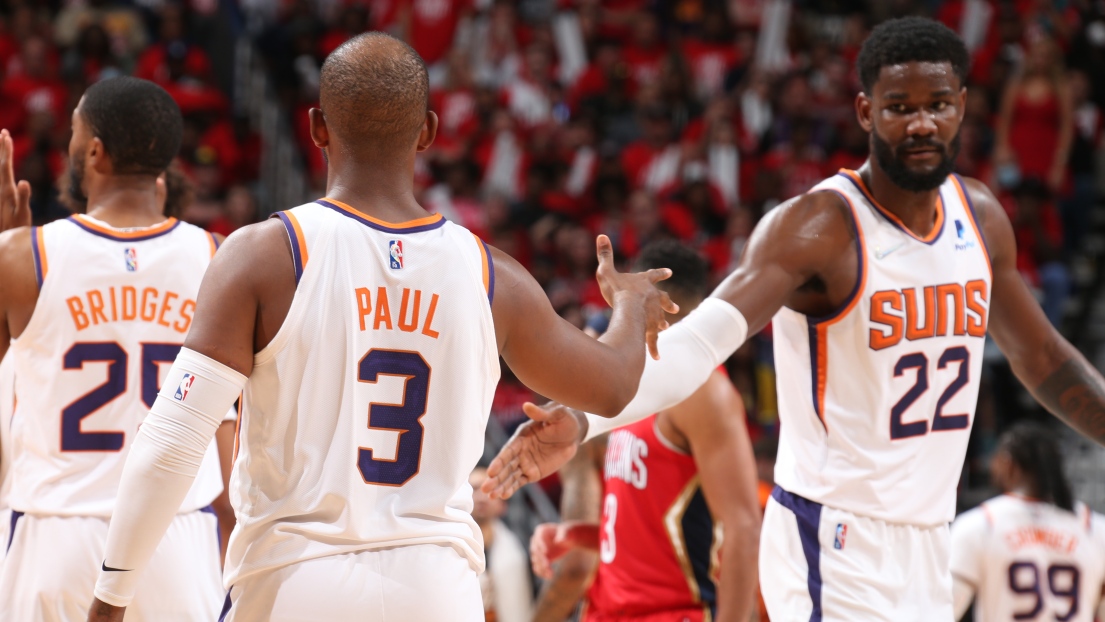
[658, 548]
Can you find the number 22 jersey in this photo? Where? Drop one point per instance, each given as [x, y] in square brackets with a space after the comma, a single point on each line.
[113, 308]
[876, 400]
[365, 415]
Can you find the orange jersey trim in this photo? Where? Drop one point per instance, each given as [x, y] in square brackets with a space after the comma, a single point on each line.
[117, 234]
[38, 253]
[936, 228]
[484, 267]
[300, 239]
[418, 222]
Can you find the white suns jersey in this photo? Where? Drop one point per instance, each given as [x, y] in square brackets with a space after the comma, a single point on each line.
[365, 415]
[1029, 560]
[113, 309]
[876, 401]
[7, 407]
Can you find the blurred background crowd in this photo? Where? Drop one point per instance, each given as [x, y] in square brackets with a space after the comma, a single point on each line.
[641, 119]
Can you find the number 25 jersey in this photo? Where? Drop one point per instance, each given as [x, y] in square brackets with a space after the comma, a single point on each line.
[113, 309]
[876, 401]
[365, 415]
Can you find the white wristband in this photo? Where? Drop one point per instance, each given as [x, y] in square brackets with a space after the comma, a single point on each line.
[689, 352]
[161, 465]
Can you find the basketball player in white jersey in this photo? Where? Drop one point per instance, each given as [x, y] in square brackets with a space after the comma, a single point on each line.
[365, 334]
[7, 406]
[880, 285]
[95, 307]
[1032, 553]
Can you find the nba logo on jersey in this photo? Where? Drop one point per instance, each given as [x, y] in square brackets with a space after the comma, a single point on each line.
[395, 250]
[841, 534]
[184, 386]
[131, 258]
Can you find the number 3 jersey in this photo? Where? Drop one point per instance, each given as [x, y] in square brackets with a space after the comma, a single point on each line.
[113, 309]
[1030, 560]
[876, 400]
[365, 415]
[658, 544]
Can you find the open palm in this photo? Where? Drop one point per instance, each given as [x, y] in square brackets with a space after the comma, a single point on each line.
[537, 449]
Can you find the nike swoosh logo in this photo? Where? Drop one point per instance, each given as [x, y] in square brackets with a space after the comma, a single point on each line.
[107, 568]
[881, 254]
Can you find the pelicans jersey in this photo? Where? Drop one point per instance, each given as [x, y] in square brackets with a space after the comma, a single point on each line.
[112, 312]
[365, 415]
[877, 399]
[1029, 560]
[658, 547]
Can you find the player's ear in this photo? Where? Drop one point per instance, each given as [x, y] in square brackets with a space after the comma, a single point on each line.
[864, 112]
[320, 134]
[429, 131]
[962, 103]
[97, 158]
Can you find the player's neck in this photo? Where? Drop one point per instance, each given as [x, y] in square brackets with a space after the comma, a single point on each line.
[916, 209]
[382, 190]
[125, 201]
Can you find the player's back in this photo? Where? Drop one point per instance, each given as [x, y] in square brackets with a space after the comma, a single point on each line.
[658, 547]
[365, 414]
[113, 308]
[1030, 560]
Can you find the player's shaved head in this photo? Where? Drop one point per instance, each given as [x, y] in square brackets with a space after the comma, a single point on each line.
[374, 93]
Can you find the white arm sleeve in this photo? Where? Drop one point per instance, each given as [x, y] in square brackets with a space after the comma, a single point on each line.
[689, 352]
[163, 461]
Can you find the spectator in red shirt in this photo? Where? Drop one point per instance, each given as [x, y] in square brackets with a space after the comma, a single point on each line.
[432, 27]
[34, 88]
[172, 57]
[1039, 234]
[646, 51]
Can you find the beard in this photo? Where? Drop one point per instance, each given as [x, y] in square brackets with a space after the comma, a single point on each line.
[76, 179]
[892, 161]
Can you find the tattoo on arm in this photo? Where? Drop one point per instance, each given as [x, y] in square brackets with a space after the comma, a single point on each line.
[1075, 392]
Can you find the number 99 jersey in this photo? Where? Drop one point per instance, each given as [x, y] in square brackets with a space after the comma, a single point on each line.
[365, 415]
[1030, 560]
[877, 399]
[113, 308]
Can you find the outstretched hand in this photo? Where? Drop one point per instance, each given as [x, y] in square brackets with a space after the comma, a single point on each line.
[551, 541]
[641, 286]
[537, 449]
[15, 198]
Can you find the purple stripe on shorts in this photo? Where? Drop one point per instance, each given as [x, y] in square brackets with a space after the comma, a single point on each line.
[16, 515]
[808, 515]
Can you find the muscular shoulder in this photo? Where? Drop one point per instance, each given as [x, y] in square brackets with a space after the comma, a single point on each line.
[809, 228]
[17, 264]
[257, 253]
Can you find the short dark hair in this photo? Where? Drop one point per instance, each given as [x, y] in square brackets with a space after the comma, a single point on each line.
[138, 122]
[1035, 451]
[690, 274]
[374, 90]
[907, 40]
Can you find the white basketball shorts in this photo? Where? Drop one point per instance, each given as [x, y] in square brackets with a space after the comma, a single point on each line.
[416, 583]
[826, 565]
[53, 562]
